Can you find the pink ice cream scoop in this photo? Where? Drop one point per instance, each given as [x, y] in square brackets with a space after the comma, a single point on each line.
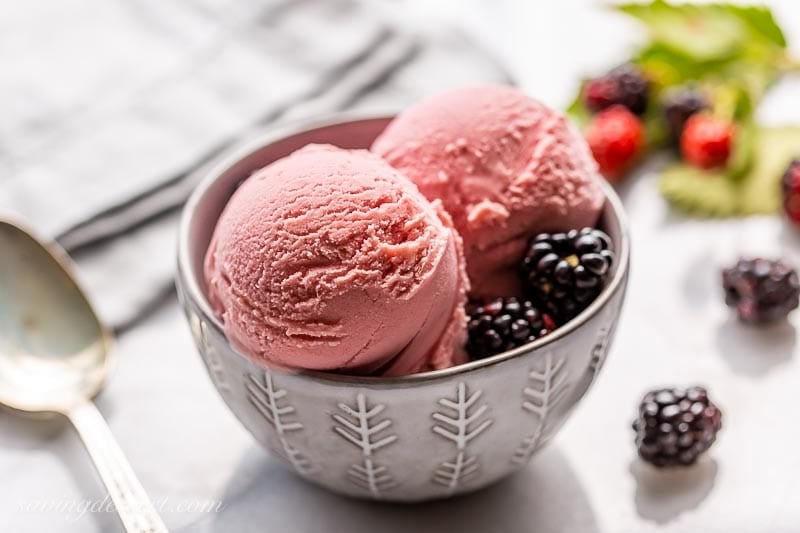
[331, 259]
[505, 167]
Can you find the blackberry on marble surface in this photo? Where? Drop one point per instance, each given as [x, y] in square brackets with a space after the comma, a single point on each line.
[761, 290]
[676, 426]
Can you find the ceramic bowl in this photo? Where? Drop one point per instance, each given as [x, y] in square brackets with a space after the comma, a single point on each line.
[419, 437]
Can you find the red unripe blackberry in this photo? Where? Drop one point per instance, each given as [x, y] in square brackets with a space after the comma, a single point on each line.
[707, 141]
[616, 138]
[790, 185]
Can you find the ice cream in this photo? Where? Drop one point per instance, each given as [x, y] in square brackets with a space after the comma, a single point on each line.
[505, 167]
[330, 259]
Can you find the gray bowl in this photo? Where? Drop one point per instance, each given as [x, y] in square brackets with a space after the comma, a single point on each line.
[419, 437]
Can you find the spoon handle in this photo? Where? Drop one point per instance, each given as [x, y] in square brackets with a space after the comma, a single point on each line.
[132, 503]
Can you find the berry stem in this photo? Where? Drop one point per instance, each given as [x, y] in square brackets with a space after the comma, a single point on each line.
[725, 103]
[789, 65]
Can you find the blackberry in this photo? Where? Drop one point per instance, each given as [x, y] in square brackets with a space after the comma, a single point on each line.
[761, 290]
[564, 272]
[676, 426]
[678, 106]
[504, 324]
[791, 191]
[625, 85]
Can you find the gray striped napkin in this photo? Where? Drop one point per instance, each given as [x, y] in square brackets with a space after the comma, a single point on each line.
[108, 106]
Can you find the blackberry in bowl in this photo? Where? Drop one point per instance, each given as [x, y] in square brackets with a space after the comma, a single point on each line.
[504, 324]
[565, 272]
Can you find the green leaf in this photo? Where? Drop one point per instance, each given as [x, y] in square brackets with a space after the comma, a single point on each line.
[655, 130]
[731, 100]
[718, 194]
[760, 20]
[700, 193]
[699, 32]
[577, 111]
[704, 33]
[665, 67]
[744, 152]
[752, 77]
[760, 192]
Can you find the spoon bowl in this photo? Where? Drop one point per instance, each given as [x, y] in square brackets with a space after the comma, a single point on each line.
[54, 349]
[54, 359]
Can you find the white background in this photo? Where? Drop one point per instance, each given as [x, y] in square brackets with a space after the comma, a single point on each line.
[675, 329]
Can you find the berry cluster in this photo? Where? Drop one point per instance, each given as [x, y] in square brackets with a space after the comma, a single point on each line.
[616, 134]
[704, 140]
[561, 273]
[679, 106]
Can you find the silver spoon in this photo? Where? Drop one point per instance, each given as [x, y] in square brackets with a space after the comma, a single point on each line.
[54, 359]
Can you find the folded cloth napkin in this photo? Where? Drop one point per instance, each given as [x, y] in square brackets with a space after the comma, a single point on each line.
[109, 105]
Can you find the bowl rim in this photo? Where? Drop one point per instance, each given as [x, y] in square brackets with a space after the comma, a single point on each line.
[258, 140]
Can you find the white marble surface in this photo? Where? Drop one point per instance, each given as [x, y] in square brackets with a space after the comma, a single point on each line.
[188, 449]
